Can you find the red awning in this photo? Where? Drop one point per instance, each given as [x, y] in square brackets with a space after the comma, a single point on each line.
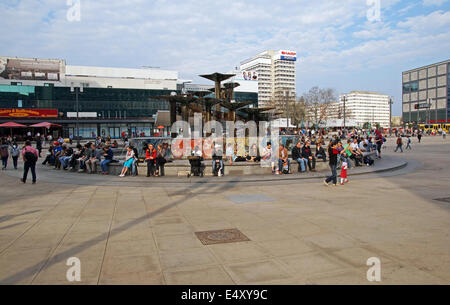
[45, 125]
[12, 125]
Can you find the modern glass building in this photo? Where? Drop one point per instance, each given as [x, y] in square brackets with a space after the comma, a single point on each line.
[111, 101]
[102, 111]
[426, 94]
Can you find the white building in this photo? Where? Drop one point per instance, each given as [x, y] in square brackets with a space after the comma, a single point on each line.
[367, 107]
[275, 71]
[37, 72]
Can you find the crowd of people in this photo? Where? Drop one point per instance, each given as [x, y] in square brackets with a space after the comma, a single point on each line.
[344, 150]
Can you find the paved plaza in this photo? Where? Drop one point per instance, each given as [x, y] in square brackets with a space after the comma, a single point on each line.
[294, 231]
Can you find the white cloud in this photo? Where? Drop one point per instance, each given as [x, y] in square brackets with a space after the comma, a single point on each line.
[433, 2]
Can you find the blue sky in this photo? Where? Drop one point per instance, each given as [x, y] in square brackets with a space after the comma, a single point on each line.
[337, 45]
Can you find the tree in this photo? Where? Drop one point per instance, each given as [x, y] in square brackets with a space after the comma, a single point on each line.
[317, 103]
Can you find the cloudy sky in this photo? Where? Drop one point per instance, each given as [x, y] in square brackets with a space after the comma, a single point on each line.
[340, 44]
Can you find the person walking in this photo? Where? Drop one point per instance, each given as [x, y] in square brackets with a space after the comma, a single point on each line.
[4, 154]
[15, 152]
[30, 156]
[419, 136]
[399, 144]
[408, 143]
[332, 155]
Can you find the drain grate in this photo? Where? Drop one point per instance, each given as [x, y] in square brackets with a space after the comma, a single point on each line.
[221, 236]
[446, 200]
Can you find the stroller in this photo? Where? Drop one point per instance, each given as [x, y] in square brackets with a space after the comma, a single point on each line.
[197, 167]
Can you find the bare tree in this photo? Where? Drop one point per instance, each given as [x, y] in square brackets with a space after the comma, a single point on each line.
[317, 102]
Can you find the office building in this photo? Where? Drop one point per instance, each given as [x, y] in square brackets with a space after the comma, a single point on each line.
[275, 71]
[366, 107]
[426, 97]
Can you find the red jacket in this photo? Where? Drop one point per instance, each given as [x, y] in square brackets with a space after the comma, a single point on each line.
[149, 154]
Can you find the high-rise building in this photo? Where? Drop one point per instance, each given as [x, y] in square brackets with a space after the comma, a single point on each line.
[426, 97]
[367, 107]
[275, 71]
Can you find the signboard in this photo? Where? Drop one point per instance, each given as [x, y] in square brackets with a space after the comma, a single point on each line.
[246, 75]
[421, 106]
[31, 69]
[29, 113]
[82, 114]
[287, 55]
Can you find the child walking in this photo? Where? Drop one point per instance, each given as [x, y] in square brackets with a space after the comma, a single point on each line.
[344, 173]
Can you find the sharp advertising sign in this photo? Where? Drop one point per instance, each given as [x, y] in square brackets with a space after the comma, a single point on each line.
[31, 69]
[288, 55]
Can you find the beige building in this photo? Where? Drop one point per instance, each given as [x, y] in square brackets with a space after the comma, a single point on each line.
[367, 107]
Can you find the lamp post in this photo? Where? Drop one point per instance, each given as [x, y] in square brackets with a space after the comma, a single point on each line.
[77, 91]
[391, 102]
[344, 99]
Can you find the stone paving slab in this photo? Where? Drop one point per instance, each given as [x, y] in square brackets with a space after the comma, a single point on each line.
[308, 234]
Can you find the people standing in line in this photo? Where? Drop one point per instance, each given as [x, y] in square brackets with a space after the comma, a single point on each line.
[4, 153]
[399, 144]
[30, 156]
[150, 158]
[129, 159]
[332, 155]
[160, 160]
[15, 153]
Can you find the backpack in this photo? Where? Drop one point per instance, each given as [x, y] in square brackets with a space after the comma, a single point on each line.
[3, 152]
[30, 157]
[15, 152]
[285, 168]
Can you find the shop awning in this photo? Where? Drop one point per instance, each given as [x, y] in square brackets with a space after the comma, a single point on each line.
[12, 125]
[45, 125]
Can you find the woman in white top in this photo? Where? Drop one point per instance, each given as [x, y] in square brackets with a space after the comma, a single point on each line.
[129, 158]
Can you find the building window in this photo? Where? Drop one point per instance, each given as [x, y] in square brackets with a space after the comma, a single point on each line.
[16, 84]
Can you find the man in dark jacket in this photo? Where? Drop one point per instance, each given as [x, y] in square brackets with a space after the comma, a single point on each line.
[108, 155]
[308, 155]
[320, 153]
[297, 156]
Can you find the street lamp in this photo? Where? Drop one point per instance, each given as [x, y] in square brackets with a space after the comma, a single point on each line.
[344, 99]
[77, 91]
[391, 102]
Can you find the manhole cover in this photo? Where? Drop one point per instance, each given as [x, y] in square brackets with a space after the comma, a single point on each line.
[447, 200]
[221, 236]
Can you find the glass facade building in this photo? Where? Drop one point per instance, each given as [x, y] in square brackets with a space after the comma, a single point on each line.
[426, 94]
[111, 111]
